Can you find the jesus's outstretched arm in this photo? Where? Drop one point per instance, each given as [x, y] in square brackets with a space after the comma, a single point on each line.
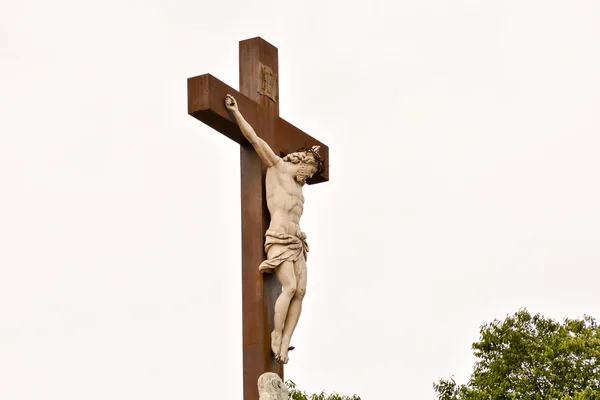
[262, 148]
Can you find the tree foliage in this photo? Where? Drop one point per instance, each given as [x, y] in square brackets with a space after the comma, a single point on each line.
[295, 394]
[530, 357]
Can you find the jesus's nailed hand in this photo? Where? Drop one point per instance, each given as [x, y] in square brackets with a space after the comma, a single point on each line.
[230, 103]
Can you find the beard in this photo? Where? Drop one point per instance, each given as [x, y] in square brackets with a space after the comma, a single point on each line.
[301, 175]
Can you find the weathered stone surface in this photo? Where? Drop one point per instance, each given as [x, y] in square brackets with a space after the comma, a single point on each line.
[271, 387]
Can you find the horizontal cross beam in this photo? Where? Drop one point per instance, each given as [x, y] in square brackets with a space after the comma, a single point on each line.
[206, 102]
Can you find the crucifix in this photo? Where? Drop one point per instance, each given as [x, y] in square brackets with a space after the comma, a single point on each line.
[222, 107]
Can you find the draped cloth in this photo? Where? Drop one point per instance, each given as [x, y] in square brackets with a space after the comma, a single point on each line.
[281, 247]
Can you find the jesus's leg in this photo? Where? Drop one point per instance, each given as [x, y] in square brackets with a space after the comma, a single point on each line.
[293, 314]
[287, 278]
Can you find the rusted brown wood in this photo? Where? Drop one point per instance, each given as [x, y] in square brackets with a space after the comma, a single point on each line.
[206, 95]
[205, 103]
[259, 291]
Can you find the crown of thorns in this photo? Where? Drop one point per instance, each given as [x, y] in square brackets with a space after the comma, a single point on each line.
[314, 150]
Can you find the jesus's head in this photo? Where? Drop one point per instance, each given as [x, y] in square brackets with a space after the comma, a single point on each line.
[308, 162]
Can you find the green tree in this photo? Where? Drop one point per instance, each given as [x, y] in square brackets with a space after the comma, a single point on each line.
[295, 394]
[529, 357]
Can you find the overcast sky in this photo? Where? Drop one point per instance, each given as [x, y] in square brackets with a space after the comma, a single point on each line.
[464, 140]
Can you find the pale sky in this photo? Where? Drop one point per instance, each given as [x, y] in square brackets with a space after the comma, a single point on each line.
[464, 140]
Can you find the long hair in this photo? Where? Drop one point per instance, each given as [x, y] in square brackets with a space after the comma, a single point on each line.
[301, 155]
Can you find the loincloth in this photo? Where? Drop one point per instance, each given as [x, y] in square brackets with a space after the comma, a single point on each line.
[290, 248]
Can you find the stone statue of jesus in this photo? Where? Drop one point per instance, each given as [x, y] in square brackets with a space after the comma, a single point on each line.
[285, 244]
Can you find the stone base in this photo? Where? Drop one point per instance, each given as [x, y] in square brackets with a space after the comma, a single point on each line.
[271, 387]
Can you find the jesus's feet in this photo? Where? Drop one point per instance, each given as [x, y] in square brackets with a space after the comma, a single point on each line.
[283, 352]
[276, 343]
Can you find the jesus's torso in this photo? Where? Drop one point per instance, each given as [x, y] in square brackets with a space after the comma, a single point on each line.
[284, 199]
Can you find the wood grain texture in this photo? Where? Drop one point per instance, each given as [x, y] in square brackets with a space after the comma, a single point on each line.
[259, 291]
[206, 96]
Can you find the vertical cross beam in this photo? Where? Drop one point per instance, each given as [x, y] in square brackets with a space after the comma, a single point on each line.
[259, 290]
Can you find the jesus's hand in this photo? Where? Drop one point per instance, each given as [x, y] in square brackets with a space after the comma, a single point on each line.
[230, 103]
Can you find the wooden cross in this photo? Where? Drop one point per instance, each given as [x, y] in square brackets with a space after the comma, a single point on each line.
[258, 101]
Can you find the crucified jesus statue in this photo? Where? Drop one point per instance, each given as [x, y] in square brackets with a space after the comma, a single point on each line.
[285, 243]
